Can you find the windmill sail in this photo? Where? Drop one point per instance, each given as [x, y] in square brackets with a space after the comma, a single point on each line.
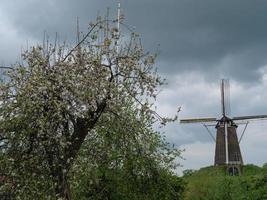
[198, 120]
[225, 97]
[251, 117]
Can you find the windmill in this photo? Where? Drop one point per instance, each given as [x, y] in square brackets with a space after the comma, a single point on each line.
[227, 149]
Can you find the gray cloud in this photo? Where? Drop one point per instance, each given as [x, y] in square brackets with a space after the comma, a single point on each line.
[220, 37]
[202, 34]
[200, 42]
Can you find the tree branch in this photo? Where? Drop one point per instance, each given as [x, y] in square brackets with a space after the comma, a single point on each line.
[138, 101]
[81, 129]
[2, 67]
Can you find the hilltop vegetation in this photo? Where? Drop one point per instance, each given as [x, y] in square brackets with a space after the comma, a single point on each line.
[212, 183]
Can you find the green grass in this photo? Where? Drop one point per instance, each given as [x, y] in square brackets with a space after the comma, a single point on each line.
[211, 183]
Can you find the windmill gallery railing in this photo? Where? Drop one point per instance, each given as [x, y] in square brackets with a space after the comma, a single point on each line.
[227, 149]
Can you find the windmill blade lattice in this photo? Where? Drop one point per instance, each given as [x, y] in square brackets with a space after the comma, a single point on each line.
[225, 97]
[198, 120]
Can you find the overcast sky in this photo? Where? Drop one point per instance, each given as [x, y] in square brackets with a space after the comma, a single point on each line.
[200, 42]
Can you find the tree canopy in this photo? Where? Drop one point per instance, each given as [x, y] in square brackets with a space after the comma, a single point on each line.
[69, 111]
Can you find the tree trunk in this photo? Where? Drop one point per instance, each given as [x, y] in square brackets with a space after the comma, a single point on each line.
[62, 187]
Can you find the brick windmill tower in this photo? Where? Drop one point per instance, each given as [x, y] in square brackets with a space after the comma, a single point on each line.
[227, 149]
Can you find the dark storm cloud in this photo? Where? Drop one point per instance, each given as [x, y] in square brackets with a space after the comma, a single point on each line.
[34, 17]
[220, 37]
[227, 37]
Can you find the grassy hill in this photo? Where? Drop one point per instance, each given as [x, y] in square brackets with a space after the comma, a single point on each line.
[212, 183]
